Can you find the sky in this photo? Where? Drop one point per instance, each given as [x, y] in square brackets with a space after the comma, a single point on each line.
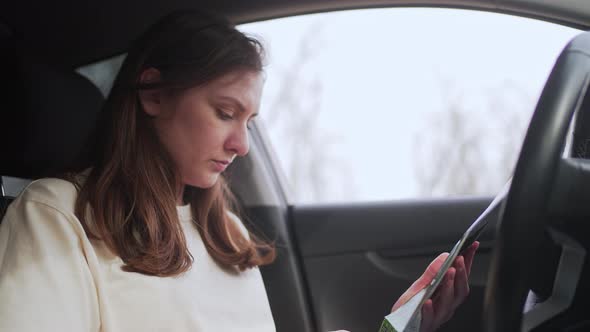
[382, 78]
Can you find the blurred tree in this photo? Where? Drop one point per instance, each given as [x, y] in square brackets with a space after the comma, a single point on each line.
[292, 120]
[463, 151]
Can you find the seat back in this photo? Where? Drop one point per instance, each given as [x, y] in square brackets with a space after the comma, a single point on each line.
[48, 114]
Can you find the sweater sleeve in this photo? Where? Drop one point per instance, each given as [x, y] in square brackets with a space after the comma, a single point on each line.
[45, 281]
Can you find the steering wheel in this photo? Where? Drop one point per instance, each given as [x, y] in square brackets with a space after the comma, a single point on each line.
[543, 183]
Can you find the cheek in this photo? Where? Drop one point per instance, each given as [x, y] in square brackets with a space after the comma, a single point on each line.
[178, 133]
[194, 136]
[201, 136]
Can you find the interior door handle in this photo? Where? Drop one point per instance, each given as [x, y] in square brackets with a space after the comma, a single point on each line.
[410, 267]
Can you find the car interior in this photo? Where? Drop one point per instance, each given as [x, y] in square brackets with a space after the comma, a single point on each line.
[339, 266]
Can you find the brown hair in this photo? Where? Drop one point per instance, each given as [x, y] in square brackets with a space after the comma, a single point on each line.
[130, 191]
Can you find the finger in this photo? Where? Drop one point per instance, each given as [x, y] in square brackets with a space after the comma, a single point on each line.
[461, 282]
[469, 254]
[443, 305]
[421, 282]
[433, 268]
[427, 317]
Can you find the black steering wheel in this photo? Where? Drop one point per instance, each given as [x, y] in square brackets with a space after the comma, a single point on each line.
[543, 182]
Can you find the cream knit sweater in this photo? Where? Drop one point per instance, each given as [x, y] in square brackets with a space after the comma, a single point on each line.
[53, 278]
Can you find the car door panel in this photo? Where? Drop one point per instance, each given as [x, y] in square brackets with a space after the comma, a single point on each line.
[359, 258]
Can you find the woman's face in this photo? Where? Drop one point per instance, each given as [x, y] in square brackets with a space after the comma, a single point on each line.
[204, 128]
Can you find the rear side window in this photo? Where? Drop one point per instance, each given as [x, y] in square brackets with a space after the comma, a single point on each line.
[103, 73]
[401, 103]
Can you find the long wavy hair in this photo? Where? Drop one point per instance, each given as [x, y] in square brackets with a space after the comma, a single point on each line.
[128, 198]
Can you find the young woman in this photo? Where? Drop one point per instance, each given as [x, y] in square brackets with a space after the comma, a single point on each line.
[140, 235]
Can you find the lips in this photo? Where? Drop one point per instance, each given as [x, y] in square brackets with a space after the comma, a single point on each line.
[220, 165]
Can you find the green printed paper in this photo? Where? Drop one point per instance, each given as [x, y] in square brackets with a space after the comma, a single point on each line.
[406, 318]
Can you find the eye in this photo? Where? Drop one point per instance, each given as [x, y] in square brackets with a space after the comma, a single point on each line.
[224, 115]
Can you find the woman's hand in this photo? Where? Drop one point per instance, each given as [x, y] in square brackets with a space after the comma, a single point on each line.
[451, 292]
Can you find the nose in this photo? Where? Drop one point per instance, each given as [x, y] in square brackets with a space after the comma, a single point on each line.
[237, 142]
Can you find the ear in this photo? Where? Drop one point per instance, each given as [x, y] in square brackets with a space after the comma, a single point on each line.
[150, 99]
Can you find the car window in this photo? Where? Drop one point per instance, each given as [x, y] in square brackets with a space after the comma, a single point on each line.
[382, 104]
[401, 103]
[102, 73]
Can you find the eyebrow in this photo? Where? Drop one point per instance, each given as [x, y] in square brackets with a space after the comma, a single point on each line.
[236, 102]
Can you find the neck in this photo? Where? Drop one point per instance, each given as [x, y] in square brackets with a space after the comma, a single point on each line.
[180, 195]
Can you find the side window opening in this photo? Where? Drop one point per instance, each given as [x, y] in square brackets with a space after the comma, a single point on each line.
[404, 103]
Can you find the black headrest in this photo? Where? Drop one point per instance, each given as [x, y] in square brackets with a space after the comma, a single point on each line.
[47, 116]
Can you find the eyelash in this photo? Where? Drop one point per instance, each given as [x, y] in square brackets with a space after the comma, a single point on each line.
[226, 117]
